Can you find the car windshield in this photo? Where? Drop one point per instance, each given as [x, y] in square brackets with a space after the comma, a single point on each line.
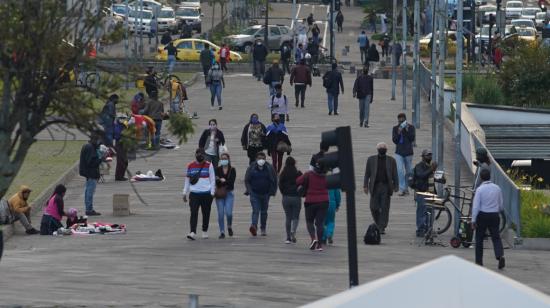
[541, 15]
[144, 14]
[526, 32]
[188, 12]
[119, 9]
[166, 14]
[249, 31]
[530, 11]
[522, 23]
[514, 4]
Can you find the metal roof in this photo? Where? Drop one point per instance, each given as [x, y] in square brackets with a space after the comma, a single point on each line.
[518, 141]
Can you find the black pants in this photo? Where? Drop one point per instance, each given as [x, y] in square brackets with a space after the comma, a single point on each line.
[286, 66]
[251, 153]
[315, 219]
[340, 29]
[204, 201]
[300, 92]
[489, 221]
[223, 62]
[121, 160]
[380, 205]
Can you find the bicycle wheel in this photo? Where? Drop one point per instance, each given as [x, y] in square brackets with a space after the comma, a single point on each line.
[92, 81]
[442, 220]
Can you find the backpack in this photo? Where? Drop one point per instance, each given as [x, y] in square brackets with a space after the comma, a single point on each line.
[327, 82]
[273, 99]
[6, 217]
[372, 237]
[267, 77]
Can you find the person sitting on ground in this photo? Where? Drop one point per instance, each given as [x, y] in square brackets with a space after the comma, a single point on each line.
[51, 220]
[21, 210]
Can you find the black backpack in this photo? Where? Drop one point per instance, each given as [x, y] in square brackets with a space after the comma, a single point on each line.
[372, 237]
[327, 80]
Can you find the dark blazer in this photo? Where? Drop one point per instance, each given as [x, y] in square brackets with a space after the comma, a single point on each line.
[372, 168]
[89, 162]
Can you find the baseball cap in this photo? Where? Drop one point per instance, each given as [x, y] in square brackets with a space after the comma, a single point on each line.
[426, 152]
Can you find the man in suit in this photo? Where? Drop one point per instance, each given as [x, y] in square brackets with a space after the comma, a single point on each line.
[381, 181]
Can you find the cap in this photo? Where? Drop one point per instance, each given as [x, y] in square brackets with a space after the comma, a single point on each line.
[426, 152]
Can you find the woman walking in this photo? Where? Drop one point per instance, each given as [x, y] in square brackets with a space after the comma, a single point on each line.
[277, 142]
[225, 184]
[253, 137]
[292, 202]
[54, 211]
[215, 81]
[316, 203]
[211, 140]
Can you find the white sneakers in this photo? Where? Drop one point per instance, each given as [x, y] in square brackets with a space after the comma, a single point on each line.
[191, 236]
[204, 235]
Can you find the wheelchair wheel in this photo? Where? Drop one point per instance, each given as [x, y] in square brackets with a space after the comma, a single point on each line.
[455, 242]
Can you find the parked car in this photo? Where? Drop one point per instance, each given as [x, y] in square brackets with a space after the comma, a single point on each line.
[514, 9]
[279, 35]
[191, 16]
[530, 12]
[167, 20]
[190, 49]
[484, 11]
[134, 19]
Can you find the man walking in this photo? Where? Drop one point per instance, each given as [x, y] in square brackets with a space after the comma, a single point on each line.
[380, 181]
[332, 81]
[89, 169]
[206, 61]
[261, 183]
[286, 53]
[363, 46]
[278, 104]
[422, 173]
[340, 21]
[107, 118]
[172, 54]
[259, 53]
[403, 135]
[274, 76]
[300, 77]
[363, 90]
[485, 215]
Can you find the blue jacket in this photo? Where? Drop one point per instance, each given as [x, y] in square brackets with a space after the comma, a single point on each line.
[363, 40]
[334, 198]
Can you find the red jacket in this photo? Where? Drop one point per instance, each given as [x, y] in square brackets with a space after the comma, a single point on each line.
[227, 53]
[317, 191]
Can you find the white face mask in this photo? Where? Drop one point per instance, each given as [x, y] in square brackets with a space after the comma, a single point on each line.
[261, 162]
[224, 162]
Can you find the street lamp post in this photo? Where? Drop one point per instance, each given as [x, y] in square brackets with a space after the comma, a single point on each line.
[416, 66]
[394, 54]
[404, 64]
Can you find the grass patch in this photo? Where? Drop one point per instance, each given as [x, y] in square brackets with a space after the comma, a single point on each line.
[45, 162]
[535, 214]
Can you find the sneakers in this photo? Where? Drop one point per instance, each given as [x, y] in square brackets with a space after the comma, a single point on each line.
[220, 108]
[191, 236]
[204, 235]
[330, 113]
[403, 193]
[264, 233]
[293, 237]
[212, 108]
[92, 213]
[313, 244]
[501, 263]
[288, 241]
[222, 236]
[32, 231]
[366, 124]
[336, 113]
[253, 230]
[230, 231]
[319, 247]
[330, 242]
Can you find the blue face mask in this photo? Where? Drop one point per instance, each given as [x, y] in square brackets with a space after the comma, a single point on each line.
[254, 120]
[224, 162]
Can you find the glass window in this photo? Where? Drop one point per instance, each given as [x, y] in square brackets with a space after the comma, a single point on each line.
[166, 14]
[274, 31]
[200, 45]
[188, 12]
[249, 31]
[185, 45]
[284, 30]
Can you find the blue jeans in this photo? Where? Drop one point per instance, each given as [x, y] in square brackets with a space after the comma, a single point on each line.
[421, 223]
[216, 92]
[171, 63]
[158, 127]
[404, 167]
[364, 109]
[260, 204]
[332, 103]
[89, 191]
[225, 208]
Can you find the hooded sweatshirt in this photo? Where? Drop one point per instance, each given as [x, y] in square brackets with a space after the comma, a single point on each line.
[18, 203]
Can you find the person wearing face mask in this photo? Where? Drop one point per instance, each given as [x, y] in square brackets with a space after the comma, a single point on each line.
[380, 182]
[332, 81]
[403, 135]
[89, 169]
[261, 184]
[363, 90]
[292, 201]
[316, 203]
[300, 77]
[277, 141]
[211, 140]
[278, 104]
[200, 184]
[259, 53]
[274, 76]
[422, 173]
[225, 184]
[215, 81]
[253, 137]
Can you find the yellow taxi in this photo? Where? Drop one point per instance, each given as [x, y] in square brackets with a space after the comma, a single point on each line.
[527, 33]
[451, 41]
[190, 49]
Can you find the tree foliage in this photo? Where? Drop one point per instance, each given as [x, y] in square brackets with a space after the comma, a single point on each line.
[42, 42]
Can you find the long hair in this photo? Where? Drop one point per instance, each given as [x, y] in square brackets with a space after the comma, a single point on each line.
[289, 168]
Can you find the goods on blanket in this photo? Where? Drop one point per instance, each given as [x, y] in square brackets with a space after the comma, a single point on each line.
[149, 176]
[167, 143]
[93, 228]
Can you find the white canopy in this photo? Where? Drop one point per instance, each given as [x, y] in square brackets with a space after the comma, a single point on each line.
[449, 282]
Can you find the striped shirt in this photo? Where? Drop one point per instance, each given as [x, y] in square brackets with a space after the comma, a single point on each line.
[207, 180]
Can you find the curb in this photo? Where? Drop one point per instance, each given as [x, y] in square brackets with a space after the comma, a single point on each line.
[37, 204]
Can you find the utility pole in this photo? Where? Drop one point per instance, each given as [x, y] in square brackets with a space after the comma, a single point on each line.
[294, 27]
[433, 94]
[394, 54]
[332, 6]
[126, 45]
[140, 30]
[441, 100]
[404, 64]
[416, 66]
[266, 32]
[458, 108]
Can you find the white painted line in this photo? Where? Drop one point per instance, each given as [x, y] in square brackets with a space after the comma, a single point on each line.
[326, 28]
[296, 17]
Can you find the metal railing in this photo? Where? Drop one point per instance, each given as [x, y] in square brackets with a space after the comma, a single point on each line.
[510, 191]
[425, 79]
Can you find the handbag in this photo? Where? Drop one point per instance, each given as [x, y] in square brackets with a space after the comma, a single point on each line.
[221, 192]
[194, 179]
[283, 147]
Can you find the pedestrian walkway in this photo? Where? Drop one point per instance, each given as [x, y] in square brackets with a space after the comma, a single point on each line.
[155, 265]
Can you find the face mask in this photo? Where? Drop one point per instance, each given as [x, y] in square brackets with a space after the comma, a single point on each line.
[261, 162]
[199, 157]
[382, 152]
[254, 120]
[277, 121]
[278, 95]
[212, 126]
[224, 162]
[428, 160]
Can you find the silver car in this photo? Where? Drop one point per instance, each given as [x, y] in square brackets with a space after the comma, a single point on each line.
[279, 35]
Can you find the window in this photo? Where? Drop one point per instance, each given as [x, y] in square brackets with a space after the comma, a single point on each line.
[185, 45]
[274, 31]
[200, 45]
[284, 30]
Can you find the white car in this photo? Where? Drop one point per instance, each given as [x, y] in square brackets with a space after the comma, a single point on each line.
[190, 16]
[539, 19]
[136, 17]
[514, 9]
[149, 5]
[190, 3]
[166, 20]
[530, 12]
[523, 23]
